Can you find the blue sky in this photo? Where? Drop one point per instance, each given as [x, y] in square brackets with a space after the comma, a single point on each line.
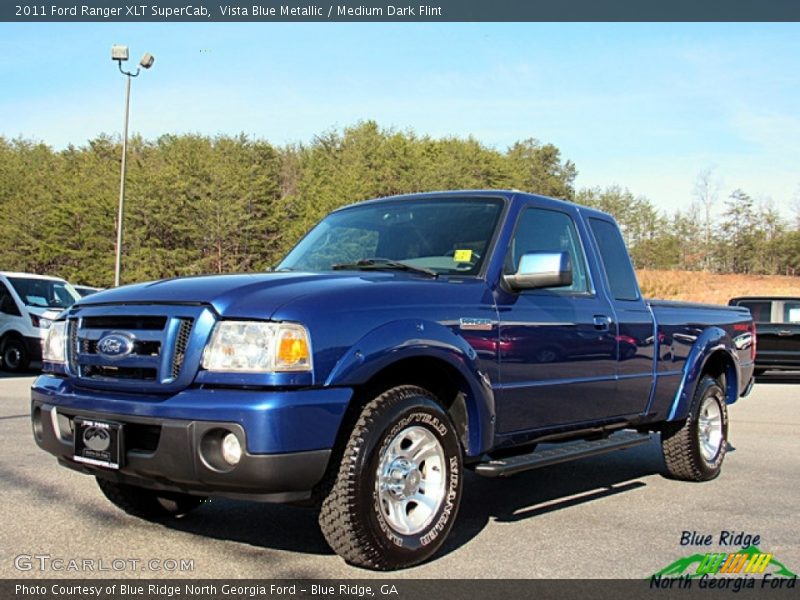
[645, 106]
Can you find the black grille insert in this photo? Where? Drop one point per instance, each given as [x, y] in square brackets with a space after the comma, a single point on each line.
[125, 322]
[181, 343]
[107, 372]
[72, 348]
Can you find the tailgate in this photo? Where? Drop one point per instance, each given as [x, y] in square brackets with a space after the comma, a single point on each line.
[778, 341]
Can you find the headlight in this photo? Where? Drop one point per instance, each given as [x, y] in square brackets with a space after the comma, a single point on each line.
[40, 322]
[55, 344]
[257, 347]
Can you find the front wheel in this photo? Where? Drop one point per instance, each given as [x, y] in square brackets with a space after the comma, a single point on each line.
[695, 449]
[399, 484]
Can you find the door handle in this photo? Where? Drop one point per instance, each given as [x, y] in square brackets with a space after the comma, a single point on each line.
[602, 322]
[784, 332]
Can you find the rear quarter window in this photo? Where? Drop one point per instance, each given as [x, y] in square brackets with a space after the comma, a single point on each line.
[617, 263]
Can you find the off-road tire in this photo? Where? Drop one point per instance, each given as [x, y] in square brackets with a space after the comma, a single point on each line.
[148, 504]
[14, 355]
[351, 518]
[680, 442]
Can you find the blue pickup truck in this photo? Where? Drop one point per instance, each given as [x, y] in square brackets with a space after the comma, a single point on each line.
[402, 341]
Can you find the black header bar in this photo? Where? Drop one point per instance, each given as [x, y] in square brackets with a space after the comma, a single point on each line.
[399, 11]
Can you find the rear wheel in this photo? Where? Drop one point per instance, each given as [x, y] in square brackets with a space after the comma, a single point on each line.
[15, 355]
[399, 484]
[695, 449]
[148, 504]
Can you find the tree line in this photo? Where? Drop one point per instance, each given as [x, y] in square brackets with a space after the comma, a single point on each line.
[197, 204]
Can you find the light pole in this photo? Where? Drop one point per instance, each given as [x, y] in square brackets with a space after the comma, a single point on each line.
[120, 54]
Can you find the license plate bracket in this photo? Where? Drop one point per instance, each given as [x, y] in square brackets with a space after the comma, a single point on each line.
[97, 442]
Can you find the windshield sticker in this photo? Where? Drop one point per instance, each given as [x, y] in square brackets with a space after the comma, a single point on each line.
[462, 256]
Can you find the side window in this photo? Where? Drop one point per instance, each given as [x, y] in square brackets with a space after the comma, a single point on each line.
[616, 261]
[7, 304]
[540, 230]
[761, 310]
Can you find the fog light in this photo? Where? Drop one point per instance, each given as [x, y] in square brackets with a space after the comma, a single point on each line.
[231, 449]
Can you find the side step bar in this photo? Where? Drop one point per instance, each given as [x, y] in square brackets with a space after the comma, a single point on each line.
[561, 453]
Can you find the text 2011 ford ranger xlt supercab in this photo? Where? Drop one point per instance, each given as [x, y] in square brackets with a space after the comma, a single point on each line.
[401, 341]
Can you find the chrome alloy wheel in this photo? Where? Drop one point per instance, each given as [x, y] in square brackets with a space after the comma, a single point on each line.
[709, 428]
[410, 481]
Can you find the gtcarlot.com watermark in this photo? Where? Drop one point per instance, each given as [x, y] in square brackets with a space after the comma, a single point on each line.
[59, 564]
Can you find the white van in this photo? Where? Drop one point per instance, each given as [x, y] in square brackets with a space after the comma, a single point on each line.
[28, 304]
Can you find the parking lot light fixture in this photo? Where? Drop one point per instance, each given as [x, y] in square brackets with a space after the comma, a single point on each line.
[119, 53]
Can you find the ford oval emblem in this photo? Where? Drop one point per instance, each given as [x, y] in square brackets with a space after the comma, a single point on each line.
[115, 345]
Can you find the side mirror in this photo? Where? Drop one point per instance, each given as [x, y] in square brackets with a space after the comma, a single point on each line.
[541, 270]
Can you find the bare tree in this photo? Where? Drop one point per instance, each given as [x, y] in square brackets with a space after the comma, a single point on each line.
[706, 192]
[796, 207]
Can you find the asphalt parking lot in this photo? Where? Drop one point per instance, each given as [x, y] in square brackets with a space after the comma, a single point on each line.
[613, 516]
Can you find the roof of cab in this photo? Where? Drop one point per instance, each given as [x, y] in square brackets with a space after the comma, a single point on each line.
[30, 276]
[509, 195]
[764, 298]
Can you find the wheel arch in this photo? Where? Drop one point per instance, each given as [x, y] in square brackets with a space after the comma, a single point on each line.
[11, 334]
[428, 355]
[711, 355]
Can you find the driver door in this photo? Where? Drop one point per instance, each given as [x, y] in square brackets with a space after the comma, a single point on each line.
[558, 345]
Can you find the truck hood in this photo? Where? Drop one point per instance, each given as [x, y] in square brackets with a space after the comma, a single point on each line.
[255, 296]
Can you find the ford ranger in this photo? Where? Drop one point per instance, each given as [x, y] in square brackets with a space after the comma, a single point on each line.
[402, 341]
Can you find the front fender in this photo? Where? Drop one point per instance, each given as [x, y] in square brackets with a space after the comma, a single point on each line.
[415, 338]
[712, 340]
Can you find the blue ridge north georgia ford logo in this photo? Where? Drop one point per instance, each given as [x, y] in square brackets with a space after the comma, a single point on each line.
[115, 345]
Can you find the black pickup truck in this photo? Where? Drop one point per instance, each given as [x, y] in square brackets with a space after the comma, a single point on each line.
[777, 320]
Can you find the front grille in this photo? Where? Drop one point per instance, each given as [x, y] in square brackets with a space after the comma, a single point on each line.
[158, 355]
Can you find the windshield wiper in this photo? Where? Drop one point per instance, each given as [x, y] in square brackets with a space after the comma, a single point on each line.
[383, 264]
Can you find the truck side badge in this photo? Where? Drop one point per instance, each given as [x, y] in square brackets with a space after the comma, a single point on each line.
[476, 324]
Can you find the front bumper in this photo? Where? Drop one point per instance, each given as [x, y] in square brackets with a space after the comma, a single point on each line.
[287, 436]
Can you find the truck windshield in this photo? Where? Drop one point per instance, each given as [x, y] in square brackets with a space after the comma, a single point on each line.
[445, 236]
[45, 293]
